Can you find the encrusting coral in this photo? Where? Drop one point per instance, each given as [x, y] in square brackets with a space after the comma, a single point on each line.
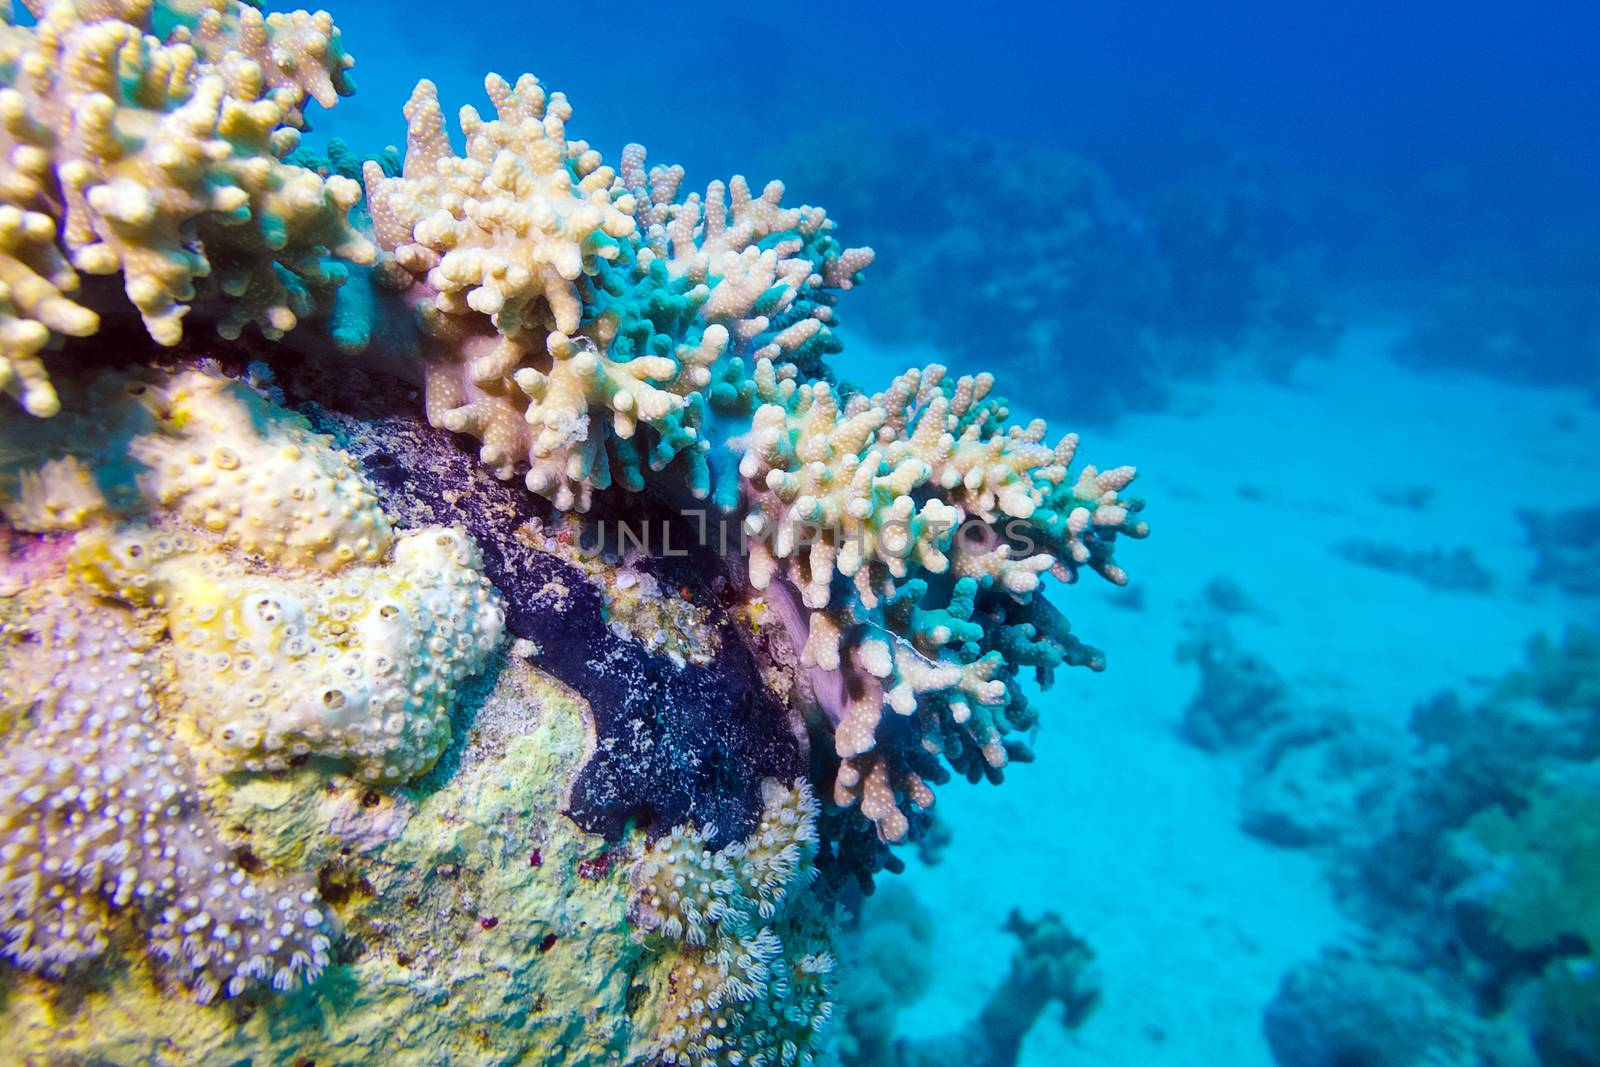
[154, 616]
[257, 480]
[361, 668]
[99, 813]
[351, 647]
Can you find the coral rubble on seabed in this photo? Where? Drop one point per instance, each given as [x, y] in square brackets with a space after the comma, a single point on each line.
[265, 740]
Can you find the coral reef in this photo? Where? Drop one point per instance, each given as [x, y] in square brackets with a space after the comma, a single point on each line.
[1466, 864]
[1343, 1009]
[1134, 287]
[360, 668]
[1538, 871]
[668, 346]
[1241, 697]
[347, 653]
[1455, 570]
[947, 671]
[262, 737]
[153, 622]
[475, 921]
[891, 962]
[1565, 542]
[556, 340]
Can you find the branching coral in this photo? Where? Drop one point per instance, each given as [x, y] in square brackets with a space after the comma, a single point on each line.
[940, 612]
[893, 964]
[591, 325]
[164, 158]
[60, 494]
[584, 322]
[98, 814]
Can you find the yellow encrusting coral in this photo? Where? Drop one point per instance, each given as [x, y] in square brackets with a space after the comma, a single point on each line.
[299, 623]
[362, 666]
[223, 460]
[455, 948]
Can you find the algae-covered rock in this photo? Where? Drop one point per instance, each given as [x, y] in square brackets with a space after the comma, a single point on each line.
[479, 925]
[262, 806]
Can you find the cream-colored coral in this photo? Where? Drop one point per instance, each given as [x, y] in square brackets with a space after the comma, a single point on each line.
[885, 672]
[297, 53]
[821, 499]
[162, 162]
[831, 490]
[300, 624]
[196, 449]
[33, 278]
[995, 472]
[497, 242]
[59, 495]
[361, 667]
[924, 478]
[506, 231]
[715, 240]
[254, 476]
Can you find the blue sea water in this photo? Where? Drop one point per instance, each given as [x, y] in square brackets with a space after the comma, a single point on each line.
[1329, 274]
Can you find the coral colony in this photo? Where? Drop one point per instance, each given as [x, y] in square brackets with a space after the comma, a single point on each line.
[303, 653]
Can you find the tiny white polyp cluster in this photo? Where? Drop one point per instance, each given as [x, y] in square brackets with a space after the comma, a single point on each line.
[99, 812]
[747, 969]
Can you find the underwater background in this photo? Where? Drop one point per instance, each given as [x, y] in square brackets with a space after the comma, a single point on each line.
[1329, 276]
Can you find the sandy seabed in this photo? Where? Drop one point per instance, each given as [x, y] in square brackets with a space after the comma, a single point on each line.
[1131, 834]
